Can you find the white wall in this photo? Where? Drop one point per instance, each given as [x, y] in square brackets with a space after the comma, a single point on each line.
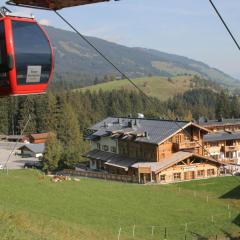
[108, 141]
[93, 164]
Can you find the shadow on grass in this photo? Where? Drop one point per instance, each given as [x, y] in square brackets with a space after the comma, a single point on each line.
[198, 236]
[230, 236]
[233, 194]
[237, 221]
[227, 235]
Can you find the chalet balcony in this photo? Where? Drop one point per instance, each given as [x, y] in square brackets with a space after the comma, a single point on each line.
[212, 150]
[231, 148]
[229, 160]
[186, 145]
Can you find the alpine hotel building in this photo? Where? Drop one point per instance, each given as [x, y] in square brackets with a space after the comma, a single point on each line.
[159, 151]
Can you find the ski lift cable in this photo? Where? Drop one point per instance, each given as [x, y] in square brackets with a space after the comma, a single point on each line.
[150, 100]
[225, 24]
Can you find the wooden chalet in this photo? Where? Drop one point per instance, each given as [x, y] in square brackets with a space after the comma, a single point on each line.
[32, 150]
[154, 150]
[223, 143]
[38, 138]
[223, 146]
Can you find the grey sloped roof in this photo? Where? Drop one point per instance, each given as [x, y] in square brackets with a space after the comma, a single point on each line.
[169, 161]
[165, 163]
[223, 121]
[99, 155]
[157, 130]
[35, 148]
[221, 136]
[111, 159]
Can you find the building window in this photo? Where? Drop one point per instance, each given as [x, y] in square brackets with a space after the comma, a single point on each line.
[163, 177]
[105, 148]
[113, 149]
[210, 172]
[200, 173]
[187, 138]
[177, 176]
[98, 146]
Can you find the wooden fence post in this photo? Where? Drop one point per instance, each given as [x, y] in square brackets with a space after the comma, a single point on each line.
[165, 233]
[134, 226]
[119, 233]
[152, 230]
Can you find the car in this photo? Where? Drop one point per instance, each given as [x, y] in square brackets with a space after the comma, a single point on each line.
[35, 165]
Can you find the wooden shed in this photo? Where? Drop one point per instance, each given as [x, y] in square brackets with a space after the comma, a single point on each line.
[38, 138]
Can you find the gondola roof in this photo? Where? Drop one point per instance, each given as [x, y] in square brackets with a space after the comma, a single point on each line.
[53, 4]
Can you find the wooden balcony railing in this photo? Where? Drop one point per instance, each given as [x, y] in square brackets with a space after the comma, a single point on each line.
[213, 149]
[186, 145]
[231, 148]
[229, 160]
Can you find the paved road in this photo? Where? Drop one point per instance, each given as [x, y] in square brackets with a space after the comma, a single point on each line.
[15, 161]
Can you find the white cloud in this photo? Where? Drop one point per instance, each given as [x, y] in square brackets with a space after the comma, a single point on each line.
[45, 22]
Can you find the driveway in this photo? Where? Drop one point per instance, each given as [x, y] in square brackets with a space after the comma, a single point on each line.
[15, 161]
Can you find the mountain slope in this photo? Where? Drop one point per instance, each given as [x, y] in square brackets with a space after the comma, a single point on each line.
[74, 56]
[162, 88]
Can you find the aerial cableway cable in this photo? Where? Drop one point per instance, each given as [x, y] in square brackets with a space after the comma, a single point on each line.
[225, 24]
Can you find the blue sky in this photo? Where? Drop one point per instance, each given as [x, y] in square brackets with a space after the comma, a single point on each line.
[185, 27]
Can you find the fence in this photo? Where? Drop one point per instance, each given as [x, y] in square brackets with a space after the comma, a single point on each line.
[100, 175]
[216, 227]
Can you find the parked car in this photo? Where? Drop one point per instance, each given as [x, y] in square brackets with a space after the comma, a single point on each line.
[35, 165]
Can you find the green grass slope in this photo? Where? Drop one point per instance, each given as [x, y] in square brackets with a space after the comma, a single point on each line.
[32, 207]
[159, 87]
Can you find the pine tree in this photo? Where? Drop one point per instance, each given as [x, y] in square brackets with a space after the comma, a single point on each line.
[4, 123]
[69, 135]
[26, 115]
[50, 119]
[41, 113]
[52, 154]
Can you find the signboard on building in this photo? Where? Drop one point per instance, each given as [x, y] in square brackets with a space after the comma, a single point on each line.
[144, 169]
[189, 168]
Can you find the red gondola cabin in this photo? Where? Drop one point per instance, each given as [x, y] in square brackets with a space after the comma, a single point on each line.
[26, 56]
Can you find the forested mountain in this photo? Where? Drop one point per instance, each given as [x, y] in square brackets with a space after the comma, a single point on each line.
[77, 61]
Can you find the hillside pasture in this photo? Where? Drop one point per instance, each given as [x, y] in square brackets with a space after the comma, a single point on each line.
[160, 87]
[32, 207]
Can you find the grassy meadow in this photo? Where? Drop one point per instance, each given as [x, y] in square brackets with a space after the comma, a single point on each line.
[32, 207]
[159, 87]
